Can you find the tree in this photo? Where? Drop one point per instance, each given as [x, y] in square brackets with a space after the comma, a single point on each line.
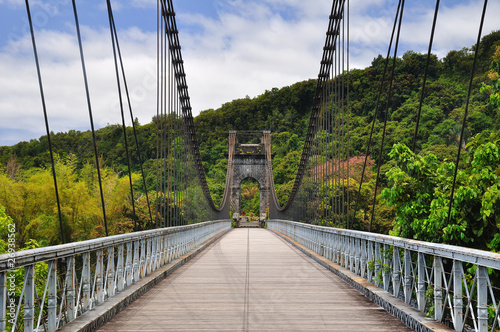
[420, 188]
[494, 75]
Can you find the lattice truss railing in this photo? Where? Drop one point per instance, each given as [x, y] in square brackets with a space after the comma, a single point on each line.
[63, 282]
[454, 285]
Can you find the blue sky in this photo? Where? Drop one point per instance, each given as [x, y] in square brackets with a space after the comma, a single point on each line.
[231, 48]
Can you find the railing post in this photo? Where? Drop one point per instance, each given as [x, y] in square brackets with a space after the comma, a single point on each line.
[458, 301]
[357, 256]
[136, 263]
[185, 240]
[371, 261]
[175, 243]
[152, 263]
[142, 260]
[346, 251]
[128, 264]
[148, 256]
[163, 257]
[51, 297]
[378, 263]
[158, 251]
[318, 240]
[407, 287]
[169, 244]
[338, 249]
[331, 253]
[169, 247]
[99, 271]
[119, 269]
[363, 258]
[29, 298]
[85, 281]
[181, 235]
[161, 243]
[438, 289]
[70, 289]
[352, 254]
[421, 266]
[396, 271]
[386, 271]
[3, 300]
[482, 298]
[322, 244]
[110, 272]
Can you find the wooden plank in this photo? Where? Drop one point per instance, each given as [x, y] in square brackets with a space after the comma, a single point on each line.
[251, 280]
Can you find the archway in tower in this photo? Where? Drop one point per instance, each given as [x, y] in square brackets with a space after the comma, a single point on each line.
[249, 200]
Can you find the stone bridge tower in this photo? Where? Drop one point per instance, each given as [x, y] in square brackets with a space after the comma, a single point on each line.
[251, 160]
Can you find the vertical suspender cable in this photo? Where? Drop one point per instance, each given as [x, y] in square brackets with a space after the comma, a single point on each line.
[422, 92]
[42, 95]
[113, 41]
[331, 130]
[158, 105]
[166, 135]
[176, 153]
[90, 116]
[375, 113]
[165, 131]
[466, 108]
[347, 113]
[180, 161]
[324, 152]
[170, 136]
[125, 85]
[166, 147]
[339, 137]
[328, 212]
[386, 115]
[336, 135]
[342, 111]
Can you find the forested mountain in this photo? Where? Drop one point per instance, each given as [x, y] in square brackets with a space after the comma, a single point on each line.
[285, 112]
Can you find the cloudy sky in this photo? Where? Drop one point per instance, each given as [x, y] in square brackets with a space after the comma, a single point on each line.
[231, 49]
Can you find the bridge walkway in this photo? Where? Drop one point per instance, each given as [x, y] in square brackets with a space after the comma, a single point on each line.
[251, 280]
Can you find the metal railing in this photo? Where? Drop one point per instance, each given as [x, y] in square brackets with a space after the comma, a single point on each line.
[450, 283]
[89, 273]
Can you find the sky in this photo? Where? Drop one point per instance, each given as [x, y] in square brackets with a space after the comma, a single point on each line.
[231, 49]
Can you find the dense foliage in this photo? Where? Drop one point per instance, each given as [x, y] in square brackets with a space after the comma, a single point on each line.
[26, 188]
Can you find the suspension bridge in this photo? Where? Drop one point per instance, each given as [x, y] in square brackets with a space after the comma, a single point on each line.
[197, 270]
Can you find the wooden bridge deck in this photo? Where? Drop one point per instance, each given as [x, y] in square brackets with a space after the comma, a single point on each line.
[251, 280]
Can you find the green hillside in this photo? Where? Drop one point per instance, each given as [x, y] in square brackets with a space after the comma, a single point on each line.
[25, 179]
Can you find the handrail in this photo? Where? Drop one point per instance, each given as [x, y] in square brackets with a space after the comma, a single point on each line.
[33, 256]
[89, 272]
[453, 282]
[467, 255]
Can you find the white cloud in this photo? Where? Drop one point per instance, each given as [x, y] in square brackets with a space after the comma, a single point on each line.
[248, 46]
[20, 103]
